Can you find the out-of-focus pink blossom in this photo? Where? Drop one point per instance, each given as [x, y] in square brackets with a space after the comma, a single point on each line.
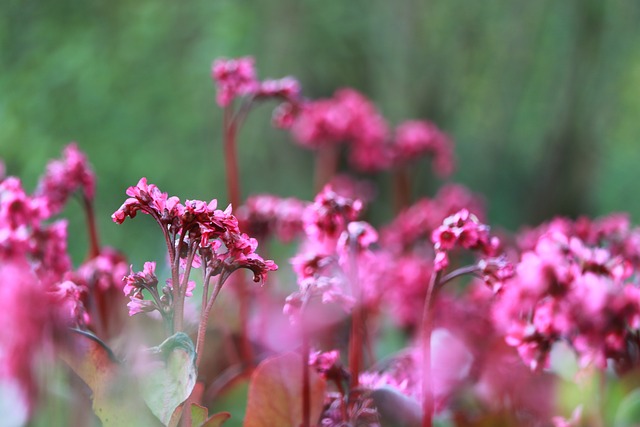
[63, 177]
[415, 138]
[347, 117]
[286, 88]
[26, 330]
[329, 214]
[68, 297]
[234, 77]
[465, 230]
[566, 290]
[418, 222]
[264, 215]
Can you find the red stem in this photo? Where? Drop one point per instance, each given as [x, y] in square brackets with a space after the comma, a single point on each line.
[357, 322]
[94, 251]
[231, 158]
[94, 241]
[233, 189]
[178, 297]
[326, 165]
[427, 327]
[204, 319]
[355, 347]
[306, 386]
[402, 188]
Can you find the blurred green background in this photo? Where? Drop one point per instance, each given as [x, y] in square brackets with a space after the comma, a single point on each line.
[541, 97]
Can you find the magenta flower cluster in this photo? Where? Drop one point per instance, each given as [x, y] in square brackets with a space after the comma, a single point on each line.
[197, 233]
[419, 282]
[566, 290]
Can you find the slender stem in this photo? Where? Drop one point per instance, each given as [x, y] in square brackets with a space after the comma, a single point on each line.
[230, 124]
[101, 317]
[427, 326]
[182, 293]
[306, 382]
[94, 241]
[242, 113]
[306, 386]
[402, 188]
[178, 296]
[357, 321]
[204, 319]
[470, 269]
[231, 158]
[326, 165]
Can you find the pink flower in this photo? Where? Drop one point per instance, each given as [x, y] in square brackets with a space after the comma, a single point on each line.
[358, 237]
[265, 215]
[234, 77]
[465, 230]
[286, 88]
[415, 138]
[64, 177]
[329, 215]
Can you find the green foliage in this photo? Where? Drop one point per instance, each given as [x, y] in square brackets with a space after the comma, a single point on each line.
[169, 376]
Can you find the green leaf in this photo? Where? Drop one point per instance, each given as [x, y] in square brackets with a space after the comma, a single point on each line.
[169, 376]
[199, 415]
[629, 410]
[116, 399]
[275, 393]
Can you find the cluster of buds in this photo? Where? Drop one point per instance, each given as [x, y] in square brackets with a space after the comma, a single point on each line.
[414, 138]
[197, 234]
[462, 229]
[63, 177]
[349, 117]
[236, 78]
[332, 235]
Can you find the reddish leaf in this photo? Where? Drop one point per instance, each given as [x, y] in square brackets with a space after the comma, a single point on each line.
[217, 420]
[275, 393]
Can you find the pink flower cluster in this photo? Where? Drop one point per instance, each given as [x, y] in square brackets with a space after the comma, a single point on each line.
[333, 237]
[414, 138]
[465, 230]
[63, 177]
[35, 266]
[237, 78]
[264, 215]
[196, 226]
[349, 117]
[566, 290]
[415, 224]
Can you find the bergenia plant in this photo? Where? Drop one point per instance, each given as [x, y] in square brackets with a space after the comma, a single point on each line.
[427, 318]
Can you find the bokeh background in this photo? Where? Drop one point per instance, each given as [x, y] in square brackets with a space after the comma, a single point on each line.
[541, 97]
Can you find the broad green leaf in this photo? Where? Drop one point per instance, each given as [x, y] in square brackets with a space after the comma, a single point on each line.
[275, 393]
[169, 376]
[628, 414]
[116, 399]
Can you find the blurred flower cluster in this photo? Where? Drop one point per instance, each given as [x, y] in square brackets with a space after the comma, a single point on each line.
[428, 316]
